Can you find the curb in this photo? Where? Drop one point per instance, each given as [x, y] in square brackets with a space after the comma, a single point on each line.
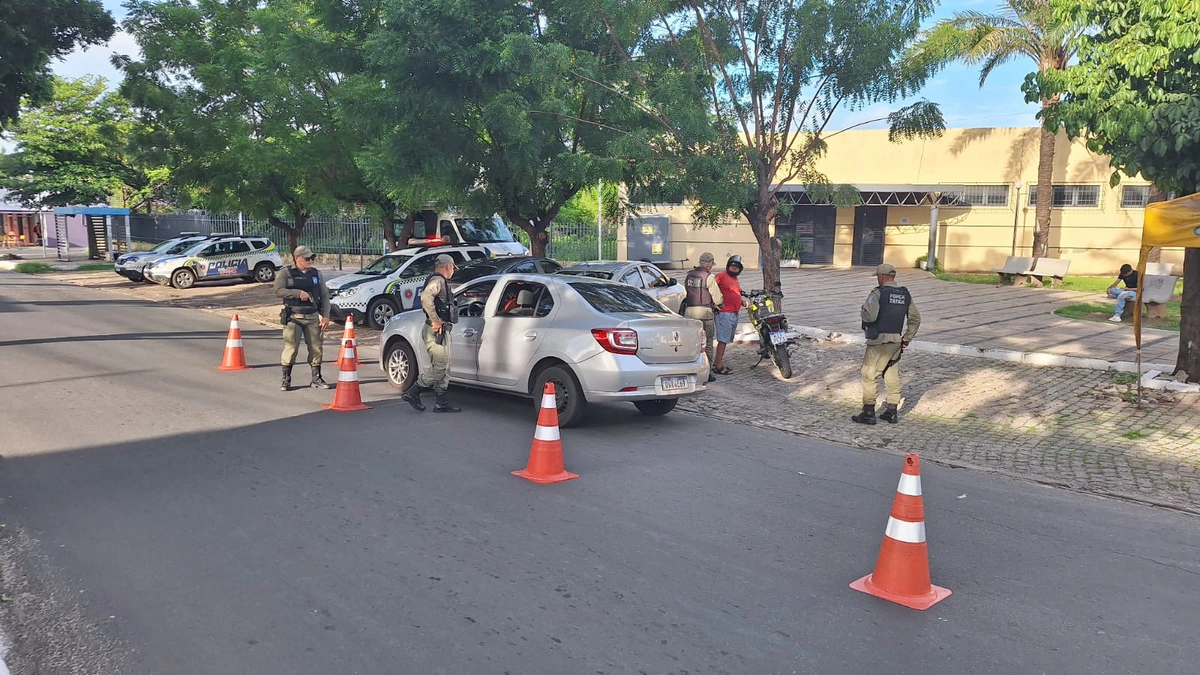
[1010, 356]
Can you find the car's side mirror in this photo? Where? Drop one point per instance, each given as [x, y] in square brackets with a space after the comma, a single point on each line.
[672, 281]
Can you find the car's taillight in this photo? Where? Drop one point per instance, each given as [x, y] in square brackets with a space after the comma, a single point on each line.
[616, 340]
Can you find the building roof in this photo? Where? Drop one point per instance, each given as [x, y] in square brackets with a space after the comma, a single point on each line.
[89, 211]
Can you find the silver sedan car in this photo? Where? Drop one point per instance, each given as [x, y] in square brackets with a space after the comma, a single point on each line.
[596, 340]
[641, 275]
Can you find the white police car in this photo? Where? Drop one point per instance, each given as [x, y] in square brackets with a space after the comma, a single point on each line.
[130, 265]
[223, 256]
[389, 285]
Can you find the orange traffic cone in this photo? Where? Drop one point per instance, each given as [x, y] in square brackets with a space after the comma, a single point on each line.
[902, 571]
[347, 396]
[235, 355]
[546, 455]
[347, 334]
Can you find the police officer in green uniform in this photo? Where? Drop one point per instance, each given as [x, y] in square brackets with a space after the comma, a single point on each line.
[440, 316]
[702, 300]
[884, 314]
[305, 312]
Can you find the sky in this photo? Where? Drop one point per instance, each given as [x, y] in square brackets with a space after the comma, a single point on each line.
[999, 103]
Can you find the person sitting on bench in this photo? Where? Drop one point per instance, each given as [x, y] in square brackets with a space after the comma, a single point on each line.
[1129, 277]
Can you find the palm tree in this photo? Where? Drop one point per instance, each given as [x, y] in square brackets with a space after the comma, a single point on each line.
[1018, 28]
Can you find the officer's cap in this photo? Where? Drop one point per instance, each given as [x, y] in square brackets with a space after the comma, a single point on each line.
[302, 252]
[885, 270]
[443, 259]
[707, 259]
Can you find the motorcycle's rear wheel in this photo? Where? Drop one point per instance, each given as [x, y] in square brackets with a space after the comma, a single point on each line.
[783, 361]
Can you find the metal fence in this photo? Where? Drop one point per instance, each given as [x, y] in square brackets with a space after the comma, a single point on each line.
[577, 242]
[332, 235]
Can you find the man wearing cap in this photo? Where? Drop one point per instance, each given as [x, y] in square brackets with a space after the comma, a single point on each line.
[440, 315]
[305, 312]
[884, 314]
[702, 300]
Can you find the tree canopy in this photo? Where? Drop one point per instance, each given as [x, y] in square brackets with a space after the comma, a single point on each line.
[34, 32]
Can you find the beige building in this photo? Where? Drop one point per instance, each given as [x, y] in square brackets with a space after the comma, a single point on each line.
[978, 184]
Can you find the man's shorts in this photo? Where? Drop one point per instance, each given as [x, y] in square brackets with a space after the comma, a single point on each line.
[726, 326]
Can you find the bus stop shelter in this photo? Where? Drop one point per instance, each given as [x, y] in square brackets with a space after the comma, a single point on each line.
[105, 239]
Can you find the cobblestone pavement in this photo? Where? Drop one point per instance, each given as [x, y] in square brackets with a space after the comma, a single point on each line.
[1062, 426]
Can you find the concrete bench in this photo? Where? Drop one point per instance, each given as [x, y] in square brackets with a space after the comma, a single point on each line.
[1055, 268]
[1015, 269]
[1157, 291]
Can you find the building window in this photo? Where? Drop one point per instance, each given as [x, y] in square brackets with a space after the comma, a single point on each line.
[1135, 196]
[978, 195]
[1070, 196]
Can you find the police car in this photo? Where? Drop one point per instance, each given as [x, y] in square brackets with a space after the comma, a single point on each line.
[130, 265]
[390, 285]
[221, 256]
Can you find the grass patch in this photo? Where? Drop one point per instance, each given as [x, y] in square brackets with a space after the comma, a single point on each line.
[1080, 284]
[94, 267]
[34, 268]
[1133, 434]
[1124, 378]
[1097, 311]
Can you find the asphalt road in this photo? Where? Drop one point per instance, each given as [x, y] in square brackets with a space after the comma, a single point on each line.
[161, 516]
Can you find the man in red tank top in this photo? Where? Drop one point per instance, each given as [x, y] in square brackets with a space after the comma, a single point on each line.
[731, 305]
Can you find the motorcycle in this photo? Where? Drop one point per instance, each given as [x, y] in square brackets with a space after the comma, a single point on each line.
[771, 326]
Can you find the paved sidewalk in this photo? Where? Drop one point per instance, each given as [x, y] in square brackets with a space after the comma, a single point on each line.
[988, 317]
[1063, 426]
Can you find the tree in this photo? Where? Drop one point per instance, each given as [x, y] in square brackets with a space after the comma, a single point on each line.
[32, 32]
[73, 150]
[1135, 96]
[237, 112]
[742, 93]
[487, 80]
[1018, 29]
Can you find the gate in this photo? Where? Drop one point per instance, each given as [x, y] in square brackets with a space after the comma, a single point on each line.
[649, 238]
[869, 229]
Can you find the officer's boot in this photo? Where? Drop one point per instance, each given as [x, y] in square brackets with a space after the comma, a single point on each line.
[889, 414]
[443, 404]
[318, 382]
[286, 385]
[413, 396]
[867, 416]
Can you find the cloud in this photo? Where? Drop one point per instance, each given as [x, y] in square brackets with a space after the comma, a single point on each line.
[97, 61]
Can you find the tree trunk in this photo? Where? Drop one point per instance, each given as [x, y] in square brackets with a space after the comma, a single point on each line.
[388, 218]
[406, 230]
[1045, 192]
[760, 224]
[539, 237]
[1188, 359]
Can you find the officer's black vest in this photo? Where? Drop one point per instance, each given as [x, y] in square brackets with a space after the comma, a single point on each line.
[696, 283]
[303, 281]
[443, 302]
[893, 310]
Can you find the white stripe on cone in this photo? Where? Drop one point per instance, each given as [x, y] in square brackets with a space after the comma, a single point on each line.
[233, 343]
[549, 401]
[348, 376]
[233, 324]
[349, 352]
[909, 485]
[902, 530]
[546, 433]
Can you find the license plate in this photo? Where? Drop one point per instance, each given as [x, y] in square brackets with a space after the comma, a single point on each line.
[778, 337]
[674, 383]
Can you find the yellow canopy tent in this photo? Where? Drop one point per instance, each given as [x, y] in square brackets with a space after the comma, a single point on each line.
[1174, 223]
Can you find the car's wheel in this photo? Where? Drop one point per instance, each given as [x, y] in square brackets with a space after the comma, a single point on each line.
[183, 278]
[380, 311]
[656, 408]
[568, 394]
[401, 365]
[784, 361]
[264, 273]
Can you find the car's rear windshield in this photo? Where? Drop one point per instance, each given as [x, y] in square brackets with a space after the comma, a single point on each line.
[471, 272]
[593, 274]
[615, 298]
